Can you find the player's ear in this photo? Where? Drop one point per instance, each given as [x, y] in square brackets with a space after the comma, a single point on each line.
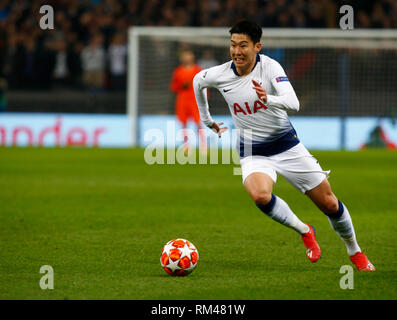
[258, 47]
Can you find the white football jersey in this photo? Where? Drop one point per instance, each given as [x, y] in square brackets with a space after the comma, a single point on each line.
[266, 121]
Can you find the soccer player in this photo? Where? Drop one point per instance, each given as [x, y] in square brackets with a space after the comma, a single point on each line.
[182, 85]
[259, 94]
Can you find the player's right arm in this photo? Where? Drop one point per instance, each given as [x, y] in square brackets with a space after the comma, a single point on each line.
[201, 82]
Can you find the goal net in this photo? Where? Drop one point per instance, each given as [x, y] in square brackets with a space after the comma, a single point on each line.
[335, 73]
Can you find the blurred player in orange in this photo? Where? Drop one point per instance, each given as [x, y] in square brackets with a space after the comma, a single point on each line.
[182, 85]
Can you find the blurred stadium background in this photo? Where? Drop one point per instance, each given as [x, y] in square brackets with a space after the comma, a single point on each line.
[80, 67]
[100, 216]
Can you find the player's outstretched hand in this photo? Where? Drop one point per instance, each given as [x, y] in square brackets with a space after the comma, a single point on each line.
[216, 127]
[260, 91]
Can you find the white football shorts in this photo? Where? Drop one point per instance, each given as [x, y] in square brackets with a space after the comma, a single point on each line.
[296, 165]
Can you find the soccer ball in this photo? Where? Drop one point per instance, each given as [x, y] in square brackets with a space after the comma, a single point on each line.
[179, 257]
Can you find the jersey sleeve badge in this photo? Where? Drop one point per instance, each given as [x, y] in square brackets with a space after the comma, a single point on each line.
[281, 79]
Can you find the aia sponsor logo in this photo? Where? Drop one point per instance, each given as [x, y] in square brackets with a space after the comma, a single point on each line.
[247, 109]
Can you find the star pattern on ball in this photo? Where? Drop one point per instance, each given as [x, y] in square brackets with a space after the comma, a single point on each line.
[179, 257]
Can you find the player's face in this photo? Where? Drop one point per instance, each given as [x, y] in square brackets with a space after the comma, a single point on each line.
[187, 58]
[243, 50]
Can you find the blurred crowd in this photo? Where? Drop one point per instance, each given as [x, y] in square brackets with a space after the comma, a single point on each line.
[87, 47]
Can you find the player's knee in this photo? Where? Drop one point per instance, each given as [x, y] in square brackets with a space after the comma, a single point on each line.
[330, 205]
[261, 197]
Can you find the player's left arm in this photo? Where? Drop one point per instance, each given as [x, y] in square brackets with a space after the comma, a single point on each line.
[285, 97]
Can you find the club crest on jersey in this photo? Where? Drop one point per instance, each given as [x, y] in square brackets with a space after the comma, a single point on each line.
[257, 106]
[280, 79]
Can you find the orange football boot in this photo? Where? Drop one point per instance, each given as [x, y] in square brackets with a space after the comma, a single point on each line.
[361, 262]
[313, 251]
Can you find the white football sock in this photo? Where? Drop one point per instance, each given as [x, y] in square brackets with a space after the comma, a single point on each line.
[343, 226]
[280, 211]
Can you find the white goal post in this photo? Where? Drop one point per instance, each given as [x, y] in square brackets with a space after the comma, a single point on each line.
[327, 42]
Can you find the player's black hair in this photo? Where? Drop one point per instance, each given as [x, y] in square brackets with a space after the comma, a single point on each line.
[250, 28]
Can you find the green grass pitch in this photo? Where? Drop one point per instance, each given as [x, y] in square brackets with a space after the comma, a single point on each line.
[100, 218]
